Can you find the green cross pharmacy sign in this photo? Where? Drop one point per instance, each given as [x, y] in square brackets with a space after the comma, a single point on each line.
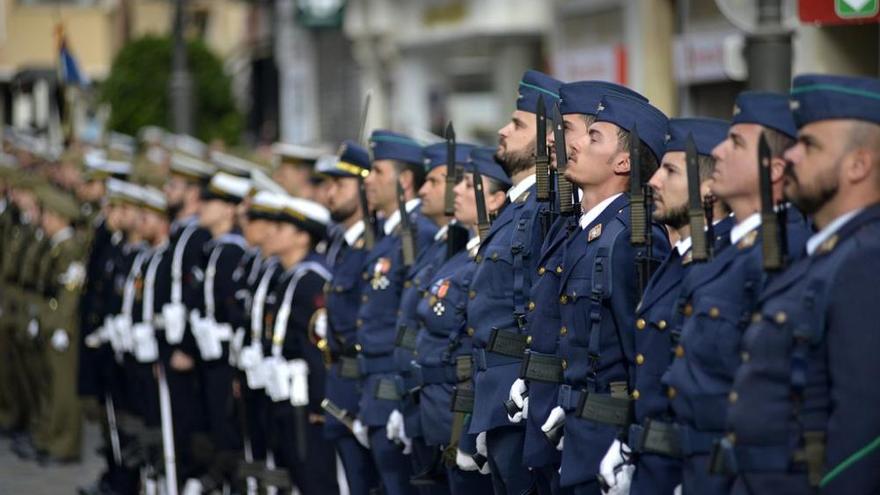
[851, 9]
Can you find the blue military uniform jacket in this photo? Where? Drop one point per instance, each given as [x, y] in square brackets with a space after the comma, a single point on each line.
[597, 298]
[500, 291]
[384, 276]
[342, 298]
[809, 369]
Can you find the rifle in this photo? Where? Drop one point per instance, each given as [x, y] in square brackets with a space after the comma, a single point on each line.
[340, 414]
[770, 228]
[370, 222]
[564, 190]
[456, 235]
[709, 211]
[700, 249]
[641, 199]
[545, 178]
[407, 240]
[482, 216]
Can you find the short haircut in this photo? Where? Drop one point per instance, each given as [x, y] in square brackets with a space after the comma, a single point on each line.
[649, 162]
[778, 142]
[418, 172]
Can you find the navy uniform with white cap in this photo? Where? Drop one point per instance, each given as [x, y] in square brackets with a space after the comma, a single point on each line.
[385, 274]
[296, 378]
[500, 288]
[717, 298]
[345, 259]
[657, 471]
[804, 420]
[294, 167]
[598, 291]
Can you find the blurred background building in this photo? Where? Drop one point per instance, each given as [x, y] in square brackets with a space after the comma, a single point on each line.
[300, 68]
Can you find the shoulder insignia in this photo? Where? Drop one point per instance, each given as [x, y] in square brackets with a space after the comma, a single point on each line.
[523, 197]
[73, 277]
[828, 245]
[748, 240]
[594, 233]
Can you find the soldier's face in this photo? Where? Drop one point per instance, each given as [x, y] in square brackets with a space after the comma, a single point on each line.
[322, 193]
[343, 200]
[433, 192]
[150, 225]
[736, 162]
[594, 156]
[129, 216]
[465, 201]
[91, 191]
[214, 212]
[670, 187]
[516, 142]
[256, 231]
[813, 165]
[175, 192]
[381, 185]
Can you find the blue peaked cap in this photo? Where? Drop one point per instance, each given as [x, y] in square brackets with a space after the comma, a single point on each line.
[707, 134]
[534, 84]
[582, 97]
[823, 97]
[764, 108]
[435, 154]
[388, 145]
[353, 161]
[626, 112]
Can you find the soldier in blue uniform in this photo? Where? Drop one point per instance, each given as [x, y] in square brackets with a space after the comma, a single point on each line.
[295, 378]
[345, 259]
[187, 257]
[718, 298]
[598, 286]
[214, 329]
[395, 158]
[443, 340]
[803, 419]
[658, 471]
[404, 423]
[500, 290]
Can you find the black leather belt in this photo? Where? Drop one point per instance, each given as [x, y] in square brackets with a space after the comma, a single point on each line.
[603, 408]
[656, 437]
[541, 367]
[507, 343]
[406, 337]
[387, 389]
[348, 367]
[463, 400]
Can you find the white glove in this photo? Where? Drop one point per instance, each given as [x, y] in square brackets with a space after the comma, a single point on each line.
[33, 328]
[174, 316]
[321, 325]
[481, 444]
[615, 469]
[299, 386]
[193, 487]
[396, 430]
[60, 340]
[677, 490]
[360, 433]
[516, 395]
[465, 462]
[557, 415]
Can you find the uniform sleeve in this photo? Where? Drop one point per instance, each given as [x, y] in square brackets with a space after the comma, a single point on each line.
[228, 306]
[853, 339]
[307, 298]
[67, 284]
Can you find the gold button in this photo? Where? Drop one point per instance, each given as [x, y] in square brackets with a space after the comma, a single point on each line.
[472, 294]
[636, 395]
[679, 351]
[687, 310]
[781, 317]
[365, 298]
[359, 322]
[479, 258]
[407, 284]
[661, 324]
[564, 364]
[559, 269]
[732, 396]
[358, 347]
[494, 256]
[563, 330]
[415, 353]
[641, 324]
[563, 299]
[528, 339]
[756, 317]
[541, 270]
[338, 288]
[470, 331]
[714, 312]
[640, 359]
[745, 356]
[531, 305]
[53, 304]
[670, 392]
[731, 437]
[366, 276]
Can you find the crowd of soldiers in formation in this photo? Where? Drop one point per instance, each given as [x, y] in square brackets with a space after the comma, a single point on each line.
[608, 301]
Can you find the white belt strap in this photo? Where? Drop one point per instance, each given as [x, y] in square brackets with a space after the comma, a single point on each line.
[280, 329]
[177, 263]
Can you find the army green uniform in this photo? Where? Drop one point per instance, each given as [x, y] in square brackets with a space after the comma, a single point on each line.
[62, 274]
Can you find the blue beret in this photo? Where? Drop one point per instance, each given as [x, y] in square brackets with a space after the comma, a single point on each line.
[625, 112]
[387, 145]
[707, 134]
[582, 97]
[819, 97]
[435, 154]
[354, 161]
[534, 84]
[767, 109]
[483, 159]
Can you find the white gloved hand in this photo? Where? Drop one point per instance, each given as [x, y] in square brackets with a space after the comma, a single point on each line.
[60, 340]
[481, 444]
[677, 490]
[615, 469]
[361, 434]
[395, 431]
[193, 487]
[516, 395]
[465, 462]
[320, 327]
[33, 328]
[557, 415]
[299, 383]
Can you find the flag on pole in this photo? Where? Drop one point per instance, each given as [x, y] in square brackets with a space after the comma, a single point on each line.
[69, 71]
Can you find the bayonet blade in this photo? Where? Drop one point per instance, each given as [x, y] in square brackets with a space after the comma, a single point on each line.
[407, 240]
[638, 215]
[563, 186]
[451, 167]
[769, 223]
[542, 161]
[369, 218]
[699, 249]
[482, 215]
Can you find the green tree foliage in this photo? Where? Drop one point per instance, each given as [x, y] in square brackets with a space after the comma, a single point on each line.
[137, 90]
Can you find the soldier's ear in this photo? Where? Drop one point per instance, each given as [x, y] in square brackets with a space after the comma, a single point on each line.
[621, 163]
[777, 169]
[862, 164]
